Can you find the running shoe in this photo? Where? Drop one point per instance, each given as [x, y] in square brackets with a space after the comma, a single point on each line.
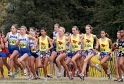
[110, 77]
[50, 75]
[16, 72]
[81, 76]
[120, 80]
[30, 77]
[25, 72]
[58, 75]
[9, 73]
[46, 79]
[123, 76]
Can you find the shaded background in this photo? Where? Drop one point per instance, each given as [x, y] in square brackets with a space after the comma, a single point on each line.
[107, 14]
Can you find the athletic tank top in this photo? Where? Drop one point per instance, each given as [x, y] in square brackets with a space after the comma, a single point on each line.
[43, 44]
[32, 44]
[68, 49]
[12, 39]
[24, 42]
[88, 42]
[121, 45]
[75, 43]
[55, 34]
[60, 44]
[104, 46]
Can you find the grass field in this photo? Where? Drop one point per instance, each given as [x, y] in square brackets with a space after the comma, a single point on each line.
[63, 80]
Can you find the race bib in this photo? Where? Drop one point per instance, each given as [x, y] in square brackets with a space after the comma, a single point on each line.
[33, 50]
[60, 48]
[102, 49]
[12, 42]
[74, 46]
[22, 45]
[88, 46]
[43, 47]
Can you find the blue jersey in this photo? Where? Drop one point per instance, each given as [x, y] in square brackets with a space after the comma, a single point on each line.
[12, 41]
[24, 42]
[31, 43]
[24, 45]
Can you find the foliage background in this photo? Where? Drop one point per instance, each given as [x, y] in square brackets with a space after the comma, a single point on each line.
[107, 14]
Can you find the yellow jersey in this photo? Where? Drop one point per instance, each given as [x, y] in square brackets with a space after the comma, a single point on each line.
[75, 43]
[88, 42]
[60, 44]
[104, 46]
[43, 44]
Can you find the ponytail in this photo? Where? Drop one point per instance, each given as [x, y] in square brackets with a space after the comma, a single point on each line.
[106, 34]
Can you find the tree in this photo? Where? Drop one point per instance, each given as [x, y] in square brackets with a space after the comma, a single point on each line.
[107, 14]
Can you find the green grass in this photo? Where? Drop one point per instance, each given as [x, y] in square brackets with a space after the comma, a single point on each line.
[88, 80]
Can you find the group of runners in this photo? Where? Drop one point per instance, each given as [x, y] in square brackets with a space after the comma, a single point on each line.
[31, 50]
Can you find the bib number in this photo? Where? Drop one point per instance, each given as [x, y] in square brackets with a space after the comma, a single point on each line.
[74, 46]
[43, 47]
[12, 42]
[60, 47]
[87, 45]
[22, 45]
[102, 49]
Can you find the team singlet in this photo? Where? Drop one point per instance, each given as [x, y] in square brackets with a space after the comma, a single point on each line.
[88, 42]
[12, 39]
[60, 44]
[55, 34]
[31, 44]
[121, 46]
[104, 46]
[75, 43]
[43, 44]
[24, 42]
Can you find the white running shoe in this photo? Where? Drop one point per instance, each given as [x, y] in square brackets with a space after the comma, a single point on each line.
[110, 77]
[25, 72]
[50, 75]
[45, 79]
[58, 75]
[123, 76]
[10, 73]
[81, 76]
[30, 77]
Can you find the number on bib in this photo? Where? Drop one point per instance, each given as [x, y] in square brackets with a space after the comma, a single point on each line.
[22, 45]
[43, 47]
[102, 49]
[12, 42]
